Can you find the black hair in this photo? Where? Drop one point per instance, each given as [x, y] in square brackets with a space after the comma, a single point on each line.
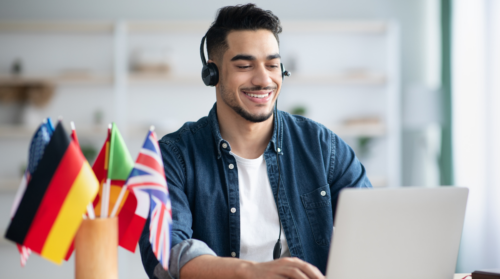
[237, 18]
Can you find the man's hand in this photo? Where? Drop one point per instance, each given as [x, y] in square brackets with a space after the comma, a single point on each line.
[293, 268]
[216, 267]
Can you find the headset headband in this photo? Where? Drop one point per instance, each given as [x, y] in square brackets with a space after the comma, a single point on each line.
[202, 52]
[210, 73]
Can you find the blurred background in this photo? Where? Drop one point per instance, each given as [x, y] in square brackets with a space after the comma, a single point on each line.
[410, 85]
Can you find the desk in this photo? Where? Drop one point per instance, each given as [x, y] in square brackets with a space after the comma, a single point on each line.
[461, 275]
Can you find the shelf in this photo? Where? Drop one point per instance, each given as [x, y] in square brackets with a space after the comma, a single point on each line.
[343, 26]
[163, 79]
[57, 80]
[9, 132]
[57, 27]
[378, 181]
[9, 186]
[361, 26]
[89, 80]
[168, 26]
[23, 132]
[339, 26]
[166, 79]
[346, 79]
[372, 79]
[16, 132]
[360, 130]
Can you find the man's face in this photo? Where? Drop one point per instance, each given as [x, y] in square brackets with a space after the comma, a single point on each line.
[250, 74]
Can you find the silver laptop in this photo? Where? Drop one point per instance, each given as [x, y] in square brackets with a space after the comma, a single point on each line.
[399, 233]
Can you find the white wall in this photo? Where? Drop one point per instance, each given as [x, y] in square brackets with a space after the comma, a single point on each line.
[409, 13]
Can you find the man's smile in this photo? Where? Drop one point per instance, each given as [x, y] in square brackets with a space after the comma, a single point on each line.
[260, 96]
[257, 95]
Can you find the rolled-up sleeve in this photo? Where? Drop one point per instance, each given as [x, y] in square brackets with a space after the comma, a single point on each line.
[183, 248]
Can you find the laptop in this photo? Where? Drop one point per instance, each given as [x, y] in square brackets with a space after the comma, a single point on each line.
[397, 233]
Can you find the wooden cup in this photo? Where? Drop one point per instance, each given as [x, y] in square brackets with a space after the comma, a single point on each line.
[96, 249]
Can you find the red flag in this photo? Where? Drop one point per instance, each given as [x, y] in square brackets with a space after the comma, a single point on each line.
[73, 134]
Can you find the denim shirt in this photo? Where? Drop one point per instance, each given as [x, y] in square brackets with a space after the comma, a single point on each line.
[202, 178]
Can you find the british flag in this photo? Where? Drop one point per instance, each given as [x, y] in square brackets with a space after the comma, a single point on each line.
[148, 177]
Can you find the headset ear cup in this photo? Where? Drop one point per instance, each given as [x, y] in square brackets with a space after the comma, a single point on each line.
[214, 74]
[210, 74]
[205, 75]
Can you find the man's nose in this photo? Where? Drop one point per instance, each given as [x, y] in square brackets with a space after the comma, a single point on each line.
[262, 77]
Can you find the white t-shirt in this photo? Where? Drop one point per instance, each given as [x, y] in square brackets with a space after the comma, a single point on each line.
[258, 212]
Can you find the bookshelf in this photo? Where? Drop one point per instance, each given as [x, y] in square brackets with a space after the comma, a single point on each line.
[362, 68]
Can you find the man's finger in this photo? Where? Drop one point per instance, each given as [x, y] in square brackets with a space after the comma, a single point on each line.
[293, 272]
[308, 269]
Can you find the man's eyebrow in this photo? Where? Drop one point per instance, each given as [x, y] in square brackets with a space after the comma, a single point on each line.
[273, 56]
[243, 57]
[251, 57]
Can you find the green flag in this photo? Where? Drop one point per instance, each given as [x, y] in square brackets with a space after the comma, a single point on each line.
[120, 162]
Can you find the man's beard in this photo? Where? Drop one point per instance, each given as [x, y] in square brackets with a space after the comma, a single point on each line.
[229, 99]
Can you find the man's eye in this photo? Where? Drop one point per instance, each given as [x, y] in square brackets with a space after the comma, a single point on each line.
[243, 67]
[273, 66]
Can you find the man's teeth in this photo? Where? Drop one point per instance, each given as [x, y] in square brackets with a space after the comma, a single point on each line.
[260, 96]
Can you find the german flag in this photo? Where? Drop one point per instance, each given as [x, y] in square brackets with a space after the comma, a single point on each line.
[51, 209]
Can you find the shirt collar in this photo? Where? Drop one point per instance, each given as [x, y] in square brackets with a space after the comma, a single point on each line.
[219, 141]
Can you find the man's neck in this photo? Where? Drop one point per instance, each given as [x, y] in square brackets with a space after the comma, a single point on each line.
[247, 139]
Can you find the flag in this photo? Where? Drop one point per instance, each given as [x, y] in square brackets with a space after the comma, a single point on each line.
[132, 218]
[148, 177]
[100, 168]
[38, 143]
[74, 138]
[73, 135]
[112, 167]
[55, 199]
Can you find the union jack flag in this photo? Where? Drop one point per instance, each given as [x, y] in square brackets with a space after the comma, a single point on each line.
[148, 176]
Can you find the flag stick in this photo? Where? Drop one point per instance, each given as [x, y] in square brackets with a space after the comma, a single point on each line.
[90, 211]
[118, 201]
[105, 188]
[105, 198]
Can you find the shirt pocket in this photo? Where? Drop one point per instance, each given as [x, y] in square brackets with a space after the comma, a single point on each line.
[318, 207]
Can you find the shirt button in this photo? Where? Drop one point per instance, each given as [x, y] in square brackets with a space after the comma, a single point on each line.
[233, 210]
[231, 166]
[323, 193]
[224, 145]
[233, 254]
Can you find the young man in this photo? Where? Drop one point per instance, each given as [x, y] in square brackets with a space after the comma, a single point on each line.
[239, 173]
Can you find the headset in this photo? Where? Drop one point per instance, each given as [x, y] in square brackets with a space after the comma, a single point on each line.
[210, 72]
[210, 76]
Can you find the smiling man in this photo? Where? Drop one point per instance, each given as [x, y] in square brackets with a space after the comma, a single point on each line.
[253, 189]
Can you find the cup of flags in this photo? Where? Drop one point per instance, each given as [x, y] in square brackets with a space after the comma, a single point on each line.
[61, 196]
